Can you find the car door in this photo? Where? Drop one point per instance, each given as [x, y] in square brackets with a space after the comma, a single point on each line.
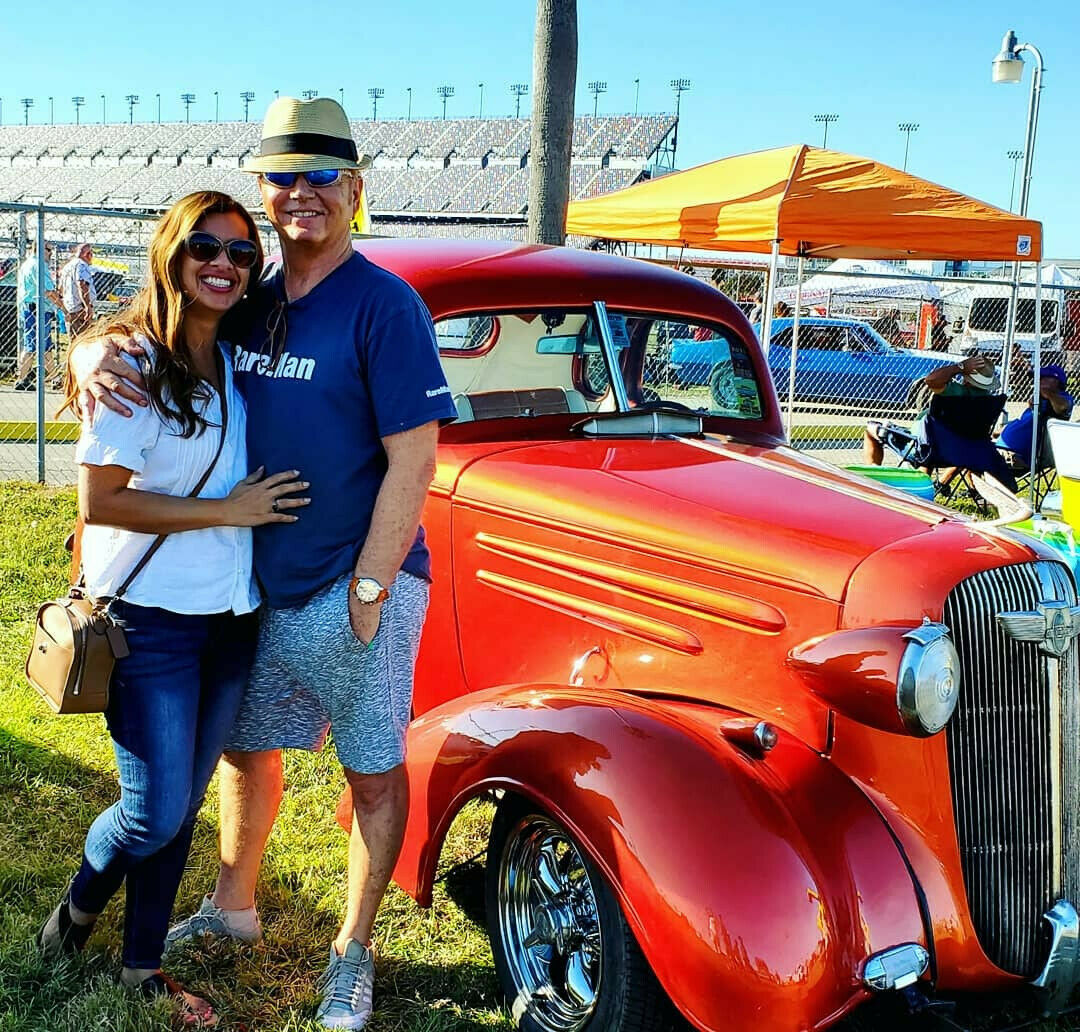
[823, 365]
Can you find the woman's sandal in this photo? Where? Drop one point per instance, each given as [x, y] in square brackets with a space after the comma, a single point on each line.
[193, 1011]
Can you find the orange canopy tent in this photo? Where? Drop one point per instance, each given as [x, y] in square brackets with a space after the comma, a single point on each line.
[810, 202]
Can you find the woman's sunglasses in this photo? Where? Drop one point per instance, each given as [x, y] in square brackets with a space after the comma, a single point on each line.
[205, 247]
[320, 177]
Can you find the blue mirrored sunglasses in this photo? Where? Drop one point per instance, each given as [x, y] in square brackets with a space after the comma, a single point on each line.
[319, 177]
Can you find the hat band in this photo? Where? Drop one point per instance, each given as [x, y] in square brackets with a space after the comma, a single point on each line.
[308, 143]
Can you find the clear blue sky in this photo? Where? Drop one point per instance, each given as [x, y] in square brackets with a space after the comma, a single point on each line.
[759, 72]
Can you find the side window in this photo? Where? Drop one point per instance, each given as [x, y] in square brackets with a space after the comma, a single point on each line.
[473, 333]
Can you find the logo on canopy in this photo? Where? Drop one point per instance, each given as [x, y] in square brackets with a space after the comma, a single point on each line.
[1023, 246]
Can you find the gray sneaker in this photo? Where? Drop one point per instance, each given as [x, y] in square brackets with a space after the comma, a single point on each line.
[213, 921]
[348, 985]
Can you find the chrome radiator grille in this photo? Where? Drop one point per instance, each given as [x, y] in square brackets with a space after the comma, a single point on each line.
[1014, 755]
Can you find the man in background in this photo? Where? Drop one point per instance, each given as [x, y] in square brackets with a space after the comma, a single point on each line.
[77, 289]
[26, 292]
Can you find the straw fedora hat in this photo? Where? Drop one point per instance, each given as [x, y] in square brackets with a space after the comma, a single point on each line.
[305, 135]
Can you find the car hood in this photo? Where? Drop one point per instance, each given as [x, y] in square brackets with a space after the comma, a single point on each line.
[766, 513]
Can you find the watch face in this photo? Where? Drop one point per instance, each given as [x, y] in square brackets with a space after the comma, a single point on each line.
[367, 589]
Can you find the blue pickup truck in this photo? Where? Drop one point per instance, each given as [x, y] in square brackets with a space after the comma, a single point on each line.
[839, 360]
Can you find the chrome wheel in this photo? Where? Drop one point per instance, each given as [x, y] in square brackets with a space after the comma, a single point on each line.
[549, 926]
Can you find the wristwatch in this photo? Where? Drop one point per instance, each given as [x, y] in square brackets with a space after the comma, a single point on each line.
[368, 591]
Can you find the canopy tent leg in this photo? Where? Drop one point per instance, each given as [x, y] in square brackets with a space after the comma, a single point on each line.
[770, 291]
[1010, 329]
[794, 349]
[1036, 364]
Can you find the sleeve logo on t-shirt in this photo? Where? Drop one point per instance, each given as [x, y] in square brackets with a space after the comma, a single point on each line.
[439, 390]
[288, 367]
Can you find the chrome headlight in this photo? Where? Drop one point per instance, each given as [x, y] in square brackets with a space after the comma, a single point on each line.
[928, 685]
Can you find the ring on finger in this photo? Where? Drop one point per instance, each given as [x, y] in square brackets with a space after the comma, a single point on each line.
[274, 506]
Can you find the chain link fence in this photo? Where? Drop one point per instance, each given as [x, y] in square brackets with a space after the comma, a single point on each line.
[38, 246]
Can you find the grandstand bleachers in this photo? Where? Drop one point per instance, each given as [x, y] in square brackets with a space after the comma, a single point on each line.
[453, 167]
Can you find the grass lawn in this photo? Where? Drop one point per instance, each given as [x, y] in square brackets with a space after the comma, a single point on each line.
[56, 775]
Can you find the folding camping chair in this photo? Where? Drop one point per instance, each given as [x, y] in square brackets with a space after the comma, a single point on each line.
[1045, 469]
[956, 439]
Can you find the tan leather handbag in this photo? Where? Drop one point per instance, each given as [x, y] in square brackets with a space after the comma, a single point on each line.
[76, 638]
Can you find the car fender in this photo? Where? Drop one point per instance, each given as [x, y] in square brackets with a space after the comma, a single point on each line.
[756, 885]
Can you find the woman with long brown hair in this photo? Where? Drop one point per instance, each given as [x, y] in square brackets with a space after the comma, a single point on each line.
[178, 467]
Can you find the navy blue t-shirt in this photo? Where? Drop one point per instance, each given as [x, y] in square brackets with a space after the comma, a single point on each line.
[359, 363]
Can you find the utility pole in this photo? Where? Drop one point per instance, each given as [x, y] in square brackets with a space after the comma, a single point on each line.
[680, 86]
[907, 128]
[826, 120]
[1014, 156]
[596, 87]
[132, 99]
[247, 97]
[376, 93]
[519, 90]
[78, 102]
[187, 99]
[444, 92]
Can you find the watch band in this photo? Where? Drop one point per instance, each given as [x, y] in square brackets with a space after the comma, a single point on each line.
[383, 595]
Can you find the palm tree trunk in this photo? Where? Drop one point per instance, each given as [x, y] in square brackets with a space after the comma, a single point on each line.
[554, 82]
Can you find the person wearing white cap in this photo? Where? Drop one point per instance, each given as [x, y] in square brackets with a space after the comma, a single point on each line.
[77, 289]
[342, 381]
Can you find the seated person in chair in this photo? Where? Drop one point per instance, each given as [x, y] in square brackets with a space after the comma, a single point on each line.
[1055, 402]
[977, 377]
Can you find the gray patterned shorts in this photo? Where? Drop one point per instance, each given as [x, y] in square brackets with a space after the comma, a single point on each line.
[311, 674]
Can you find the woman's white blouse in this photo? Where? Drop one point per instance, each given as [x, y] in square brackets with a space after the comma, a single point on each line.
[194, 571]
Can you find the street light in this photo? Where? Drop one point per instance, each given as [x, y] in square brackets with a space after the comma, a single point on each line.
[1009, 67]
[247, 97]
[518, 89]
[907, 128]
[444, 92]
[826, 119]
[481, 85]
[187, 99]
[596, 87]
[376, 93]
[132, 99]
[27, 103]
[680, 86]
[1014, 156]
[78, 102]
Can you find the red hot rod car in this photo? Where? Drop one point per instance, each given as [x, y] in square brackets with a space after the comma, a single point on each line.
[768, 739]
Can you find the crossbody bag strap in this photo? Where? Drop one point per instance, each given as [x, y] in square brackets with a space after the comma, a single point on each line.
[160, 539]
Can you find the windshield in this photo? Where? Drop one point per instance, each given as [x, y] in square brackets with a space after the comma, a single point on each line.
[548, 361]
[989, 314]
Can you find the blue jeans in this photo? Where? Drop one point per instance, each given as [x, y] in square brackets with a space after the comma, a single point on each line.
[172, 705]
[29, 318]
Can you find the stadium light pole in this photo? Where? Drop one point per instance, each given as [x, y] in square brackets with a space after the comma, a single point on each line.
[247, 97]
[408, 113]
[445, 92]
[27, 103]
[637, 94]
[1014, 156]
[907, 128]
[132, 99]
[277, 93]
[519, 90]
[341, 96]
[680, 86]
[103, 109]
[596, 87]
[52, 121]
[187, 99]
[309, 94]
[481, 85]
[1, 110]
[79, 101]
[826, 120]
[217, 107]
[376, 93]
[157, 97]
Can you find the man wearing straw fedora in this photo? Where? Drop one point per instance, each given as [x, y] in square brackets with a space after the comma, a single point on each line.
[341, 376]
